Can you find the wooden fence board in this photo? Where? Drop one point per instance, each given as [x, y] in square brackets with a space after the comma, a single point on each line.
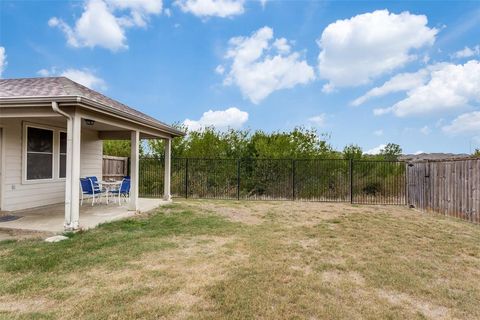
[448, 187]
[114, 167]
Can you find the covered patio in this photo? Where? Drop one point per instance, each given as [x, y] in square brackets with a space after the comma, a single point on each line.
[50, 218]
[51, 135]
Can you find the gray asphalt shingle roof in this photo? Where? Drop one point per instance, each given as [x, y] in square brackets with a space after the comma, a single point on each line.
[62, 86]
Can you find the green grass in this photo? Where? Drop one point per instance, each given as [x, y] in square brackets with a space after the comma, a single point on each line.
[211, 260]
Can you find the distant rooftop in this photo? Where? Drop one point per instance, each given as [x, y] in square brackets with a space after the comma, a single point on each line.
[434, 156]
[64, 87]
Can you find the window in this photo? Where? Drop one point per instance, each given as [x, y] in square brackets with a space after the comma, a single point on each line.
[62, 163]
[39, 154]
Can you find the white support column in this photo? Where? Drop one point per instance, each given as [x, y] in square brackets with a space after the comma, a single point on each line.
[73, 175]
[134, 159]
[168, 168]
[68, 177]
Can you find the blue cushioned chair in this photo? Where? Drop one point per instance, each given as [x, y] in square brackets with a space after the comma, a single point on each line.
[122, 191]
[96, 186]
[89, 189]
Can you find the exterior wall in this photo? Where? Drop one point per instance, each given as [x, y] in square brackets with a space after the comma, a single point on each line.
[91, 161]
[18, 195]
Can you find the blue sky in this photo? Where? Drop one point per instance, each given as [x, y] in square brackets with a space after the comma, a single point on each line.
[367, 73]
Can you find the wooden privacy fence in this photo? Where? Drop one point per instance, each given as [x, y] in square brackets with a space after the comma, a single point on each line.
[448, 187]
[114, 167]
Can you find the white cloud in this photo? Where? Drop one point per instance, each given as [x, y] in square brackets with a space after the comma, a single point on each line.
[84, 76]
[260, 66]
[220, 69]
[376, 150]
[103, 23]
[212, 8]
[97, 26]
[465, 123]
[380, 111]
[354, 51]
[328, 88]
[222, 119]
[139, 10]
[467, 52]
[378, 133]
[398, 83]
[3, 60]
[425, 130]
[318, 120]
[282, 45]
[47, 72]
[449, 87]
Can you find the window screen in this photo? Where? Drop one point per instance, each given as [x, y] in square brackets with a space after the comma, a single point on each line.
[39, 154]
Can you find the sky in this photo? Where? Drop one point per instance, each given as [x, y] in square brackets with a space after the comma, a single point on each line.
[367, 73]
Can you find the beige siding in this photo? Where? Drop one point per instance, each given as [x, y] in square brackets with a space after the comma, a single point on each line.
[18, 195]
[91, 162]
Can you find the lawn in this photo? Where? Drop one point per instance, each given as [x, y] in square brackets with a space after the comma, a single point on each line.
[250, 260]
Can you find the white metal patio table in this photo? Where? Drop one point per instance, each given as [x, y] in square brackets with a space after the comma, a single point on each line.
[109, 186]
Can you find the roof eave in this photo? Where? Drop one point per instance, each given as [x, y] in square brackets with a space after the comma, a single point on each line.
[174, 132]
[80, 99]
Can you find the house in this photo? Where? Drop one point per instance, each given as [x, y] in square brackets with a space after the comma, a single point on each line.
[51, 132]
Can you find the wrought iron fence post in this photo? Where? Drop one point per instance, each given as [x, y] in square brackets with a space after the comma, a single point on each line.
[238, 179]
[293, 179]
[351, 180]
[186, 178]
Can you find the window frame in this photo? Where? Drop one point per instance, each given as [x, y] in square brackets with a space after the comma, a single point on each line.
[55, 153]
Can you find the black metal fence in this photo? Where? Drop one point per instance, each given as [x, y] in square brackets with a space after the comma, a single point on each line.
[357, 181]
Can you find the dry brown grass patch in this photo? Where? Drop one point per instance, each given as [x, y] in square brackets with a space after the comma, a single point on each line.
[263, 260]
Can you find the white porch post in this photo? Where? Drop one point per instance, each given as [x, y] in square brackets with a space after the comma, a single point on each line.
[72, 187]
[68, 177]
[134, 159]
[168, 168]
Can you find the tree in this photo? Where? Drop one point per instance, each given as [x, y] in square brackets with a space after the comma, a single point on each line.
[236, 144]
[352, 152]
[118, 148]
[476, 153]
[299, 143]
[391, 152]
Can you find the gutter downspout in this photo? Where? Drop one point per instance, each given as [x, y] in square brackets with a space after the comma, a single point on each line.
[68, 178]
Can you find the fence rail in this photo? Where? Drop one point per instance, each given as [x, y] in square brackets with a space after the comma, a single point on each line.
[368, 182]
[448, 187]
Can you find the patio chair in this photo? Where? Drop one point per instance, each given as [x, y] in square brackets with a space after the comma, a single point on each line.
[122, 191]
[87, 188]
[95, 183]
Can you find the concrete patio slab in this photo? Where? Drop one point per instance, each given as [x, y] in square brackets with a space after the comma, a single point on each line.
[51, 218]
